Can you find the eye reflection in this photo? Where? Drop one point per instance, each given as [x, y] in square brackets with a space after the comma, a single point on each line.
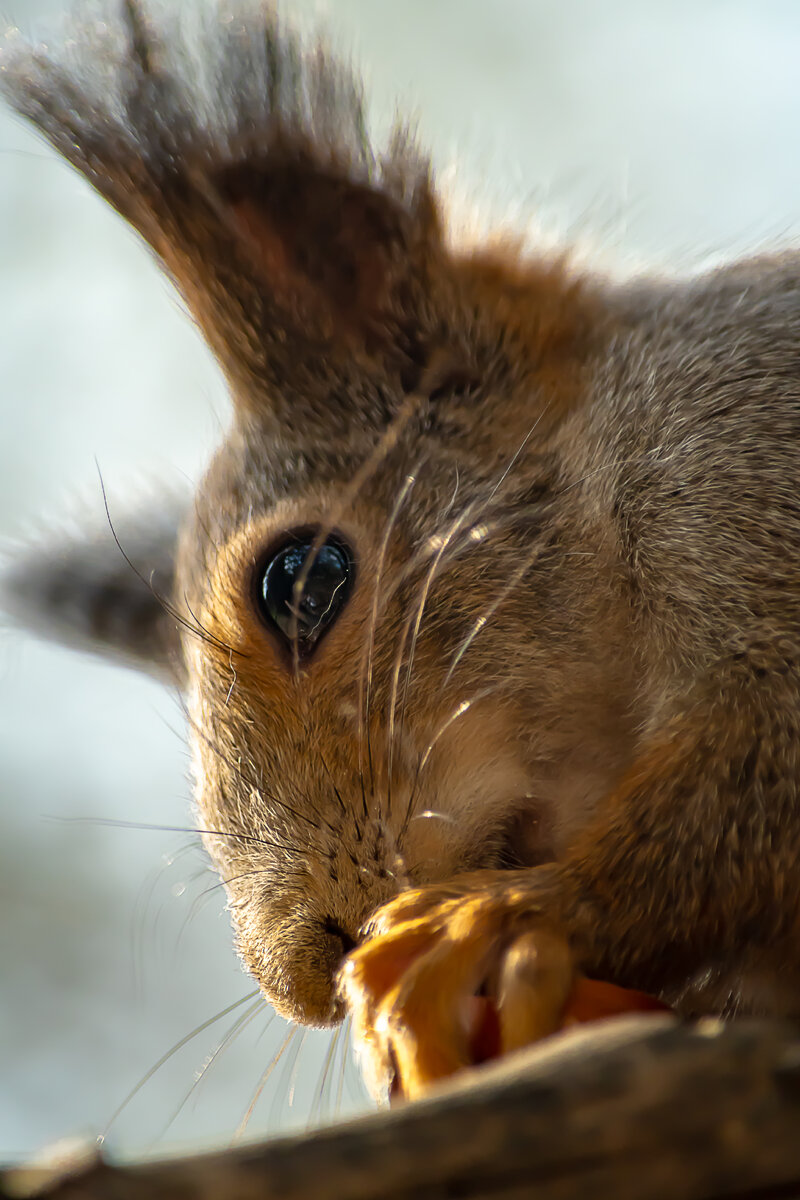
[326, 589]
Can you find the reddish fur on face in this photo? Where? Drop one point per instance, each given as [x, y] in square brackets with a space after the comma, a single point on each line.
[572, 508]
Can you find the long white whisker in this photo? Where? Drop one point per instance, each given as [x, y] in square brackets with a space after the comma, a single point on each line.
[464, 518]
[344, 1060]
[485, 617]
[365, 691]
[169, 1054]
[287, 1041]
[295, 1069]
[526, 565]
[517, 454]
[285, 1086]
[316, 1108]
[383, 447]
[238, 1026]
[454, 716]
[610, 466]
[412, 626]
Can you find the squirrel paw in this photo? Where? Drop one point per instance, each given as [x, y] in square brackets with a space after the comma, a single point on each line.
[457, 974]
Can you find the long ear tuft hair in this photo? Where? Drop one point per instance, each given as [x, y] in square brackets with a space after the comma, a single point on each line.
[102, 589]
[243, 159]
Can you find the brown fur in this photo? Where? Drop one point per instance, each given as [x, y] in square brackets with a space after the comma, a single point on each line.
[597, 557]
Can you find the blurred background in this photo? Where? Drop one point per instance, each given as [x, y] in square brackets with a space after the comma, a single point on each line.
[663, 132]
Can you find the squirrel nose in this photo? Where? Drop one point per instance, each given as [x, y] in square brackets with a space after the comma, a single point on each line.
[340, 942]
[301, 976]
[337, 932]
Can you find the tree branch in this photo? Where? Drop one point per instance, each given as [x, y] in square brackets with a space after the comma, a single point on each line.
[641, 1107]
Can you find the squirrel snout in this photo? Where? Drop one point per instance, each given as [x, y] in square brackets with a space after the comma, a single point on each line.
[297, 963]
[335, 931]
[313, 983]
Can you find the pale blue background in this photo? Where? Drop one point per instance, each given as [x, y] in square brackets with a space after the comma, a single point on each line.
[664, 131]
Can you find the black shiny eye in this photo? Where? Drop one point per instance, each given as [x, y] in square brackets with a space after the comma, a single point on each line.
[327, 577]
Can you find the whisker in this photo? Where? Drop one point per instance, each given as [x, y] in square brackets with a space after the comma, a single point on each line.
[194, 907]
[612, 465]
[215, 888]
[339, 1040]
[353, 1080]
[315, 1115]
[285, 1087]
[383, 447]
[248, 780]
[212, 636]
[518, 453]
[233, 684]
[142, 912]
[457, 712]
[114, 823]
[414, 623]
[476, 535]
[526, 565]
[242, 1126]
[336, 791]
[337, 1112]
[295, 1068]
[413, 401]
[430, 814]
[452, 499]
[365, 691]
[238, 1026]
[165, 604]
[467, 516]
[169, 1054]
[482, 621]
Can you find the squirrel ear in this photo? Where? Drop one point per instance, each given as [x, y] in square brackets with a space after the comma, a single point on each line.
[243, 160]
[328, 247]
[110, 593]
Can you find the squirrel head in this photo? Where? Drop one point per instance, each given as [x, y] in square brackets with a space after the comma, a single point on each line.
[380, 599]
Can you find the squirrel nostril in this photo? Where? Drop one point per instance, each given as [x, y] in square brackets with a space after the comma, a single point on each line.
[335, 930]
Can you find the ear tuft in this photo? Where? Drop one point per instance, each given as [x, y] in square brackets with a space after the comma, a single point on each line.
[79, 589]
[243, 158]
[290, 214]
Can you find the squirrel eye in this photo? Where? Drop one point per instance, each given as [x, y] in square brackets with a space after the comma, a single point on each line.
[327, 579]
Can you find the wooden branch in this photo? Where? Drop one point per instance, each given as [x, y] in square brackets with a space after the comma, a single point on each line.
[641, 1107]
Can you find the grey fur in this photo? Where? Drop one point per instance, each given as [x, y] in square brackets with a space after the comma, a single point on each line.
[108, 593]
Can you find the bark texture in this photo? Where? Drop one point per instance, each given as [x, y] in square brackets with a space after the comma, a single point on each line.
[639, 1109]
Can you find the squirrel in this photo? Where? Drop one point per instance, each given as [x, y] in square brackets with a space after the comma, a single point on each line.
[487, 610]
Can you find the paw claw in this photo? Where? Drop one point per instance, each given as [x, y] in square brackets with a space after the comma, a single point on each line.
[458, 974]
[536, 981]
